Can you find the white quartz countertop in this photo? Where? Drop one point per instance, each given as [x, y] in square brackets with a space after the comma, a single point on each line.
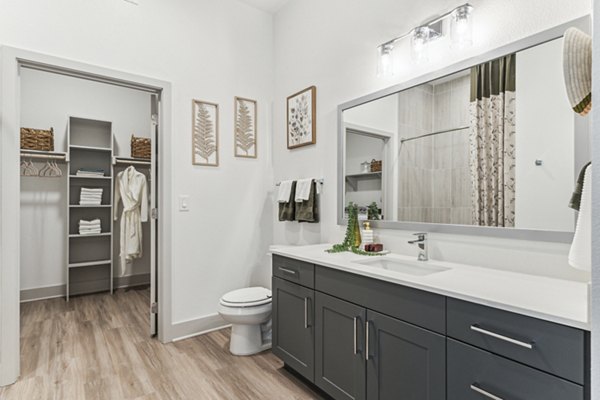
[556, 300]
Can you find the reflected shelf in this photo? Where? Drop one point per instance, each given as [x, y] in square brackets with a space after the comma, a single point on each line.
[353, 179]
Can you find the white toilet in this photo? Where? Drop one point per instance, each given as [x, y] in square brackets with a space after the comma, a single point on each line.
[249, 312]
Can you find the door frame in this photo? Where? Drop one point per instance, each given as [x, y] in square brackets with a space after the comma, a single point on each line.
[11, 60]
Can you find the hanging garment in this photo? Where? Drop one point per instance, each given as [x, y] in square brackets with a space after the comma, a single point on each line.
[131, 188]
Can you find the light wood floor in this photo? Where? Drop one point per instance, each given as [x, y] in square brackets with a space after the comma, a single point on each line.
[97, 347]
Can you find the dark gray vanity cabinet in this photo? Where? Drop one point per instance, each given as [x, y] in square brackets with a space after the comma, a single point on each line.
[340, 347]
[360, 338]
[404, 361]
[293, 327]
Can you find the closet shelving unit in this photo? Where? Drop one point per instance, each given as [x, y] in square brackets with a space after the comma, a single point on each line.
[90, 257]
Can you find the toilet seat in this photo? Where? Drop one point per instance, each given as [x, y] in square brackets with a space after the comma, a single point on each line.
[246, 297]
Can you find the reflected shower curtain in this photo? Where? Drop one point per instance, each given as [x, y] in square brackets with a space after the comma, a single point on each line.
[492, 142]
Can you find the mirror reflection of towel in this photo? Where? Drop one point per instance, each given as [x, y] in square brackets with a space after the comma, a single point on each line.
[287, 211]
[580, 256]
[308, 210]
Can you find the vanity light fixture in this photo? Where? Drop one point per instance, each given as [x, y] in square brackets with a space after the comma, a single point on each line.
[461, 33]
[385, 57]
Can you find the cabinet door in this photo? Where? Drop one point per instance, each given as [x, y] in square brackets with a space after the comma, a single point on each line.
[404, 361]
[339, 352]
[293, 328]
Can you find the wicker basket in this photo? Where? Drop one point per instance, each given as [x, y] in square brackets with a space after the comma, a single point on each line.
[141, 147]
[37, 139]
[376, 165]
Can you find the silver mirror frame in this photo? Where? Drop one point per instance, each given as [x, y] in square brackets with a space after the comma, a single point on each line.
[583, 23]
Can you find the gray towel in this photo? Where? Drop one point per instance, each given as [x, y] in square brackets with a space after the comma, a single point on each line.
[308, 210]
[576, 197]
[287, 211]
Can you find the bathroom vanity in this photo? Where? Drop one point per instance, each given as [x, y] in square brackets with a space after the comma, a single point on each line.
[364, 329]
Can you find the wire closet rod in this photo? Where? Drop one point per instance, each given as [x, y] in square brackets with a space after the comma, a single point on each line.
[432, 134]
[319, 181]
[62, 157]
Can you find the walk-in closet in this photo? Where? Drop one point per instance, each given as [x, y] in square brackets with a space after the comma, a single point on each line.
[86, 186]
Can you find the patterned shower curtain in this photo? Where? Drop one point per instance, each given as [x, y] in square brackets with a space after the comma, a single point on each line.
[492, 142]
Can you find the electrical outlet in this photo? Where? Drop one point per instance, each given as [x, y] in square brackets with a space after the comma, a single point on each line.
[184, 203]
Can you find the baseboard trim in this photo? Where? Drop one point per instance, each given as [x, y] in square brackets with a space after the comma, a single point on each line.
[198, 326]
[50, 292]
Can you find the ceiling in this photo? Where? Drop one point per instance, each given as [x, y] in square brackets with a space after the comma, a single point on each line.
[270, 6]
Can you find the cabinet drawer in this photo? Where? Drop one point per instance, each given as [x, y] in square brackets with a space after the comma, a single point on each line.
[296, 271]
[417, 307]
[475, 374]
[557, 349]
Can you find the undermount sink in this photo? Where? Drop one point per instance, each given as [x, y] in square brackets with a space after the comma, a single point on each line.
[417, 268]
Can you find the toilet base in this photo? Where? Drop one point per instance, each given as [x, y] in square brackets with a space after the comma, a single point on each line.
[247, 340]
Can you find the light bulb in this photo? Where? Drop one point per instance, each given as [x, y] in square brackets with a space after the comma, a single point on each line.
[461, 28]
[418, 41]
[385, 63]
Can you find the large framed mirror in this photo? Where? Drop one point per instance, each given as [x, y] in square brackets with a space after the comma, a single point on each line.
[489, 146]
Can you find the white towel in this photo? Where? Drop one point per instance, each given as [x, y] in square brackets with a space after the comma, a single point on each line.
[580, 256]
[90, 203]
[92, 222]
[303, 189]
[285, 191]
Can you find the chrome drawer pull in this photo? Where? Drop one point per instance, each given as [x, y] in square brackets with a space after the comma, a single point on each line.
[485, 393]
[355, 345]
[367, 340]
[476, 328]
[288, 271]
[306, 313]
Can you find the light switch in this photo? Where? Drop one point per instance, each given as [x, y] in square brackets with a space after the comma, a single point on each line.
[184, 203]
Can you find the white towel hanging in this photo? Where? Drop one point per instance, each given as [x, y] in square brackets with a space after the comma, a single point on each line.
[303, 189]
[580, 256]
[285, 190]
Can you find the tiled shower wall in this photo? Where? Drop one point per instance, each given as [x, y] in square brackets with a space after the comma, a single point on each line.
[435, 179]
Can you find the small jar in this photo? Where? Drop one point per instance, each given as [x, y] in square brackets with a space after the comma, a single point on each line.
[365, 167]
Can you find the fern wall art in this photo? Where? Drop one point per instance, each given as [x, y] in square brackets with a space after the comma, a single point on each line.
[245, 128]
[205, 133]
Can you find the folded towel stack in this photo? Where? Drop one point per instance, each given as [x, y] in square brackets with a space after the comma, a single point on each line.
[89, 227]
[90, 197]
[90, 172]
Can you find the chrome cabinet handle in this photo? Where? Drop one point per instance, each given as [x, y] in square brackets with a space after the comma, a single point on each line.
[287, 271]
[367, 340]
[485, 393]
[306, 313]
[476, 328]
[355, 345]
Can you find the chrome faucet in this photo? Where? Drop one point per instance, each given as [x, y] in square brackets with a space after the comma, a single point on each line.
[421, 241]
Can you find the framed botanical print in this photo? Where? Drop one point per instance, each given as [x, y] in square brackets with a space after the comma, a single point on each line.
[245, 128]
[302, 118]
[205, 133]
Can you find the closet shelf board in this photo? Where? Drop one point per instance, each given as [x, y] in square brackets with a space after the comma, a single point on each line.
[90, 263]
[89, 177]
[90, 236]
[89, 206]
[90, 148]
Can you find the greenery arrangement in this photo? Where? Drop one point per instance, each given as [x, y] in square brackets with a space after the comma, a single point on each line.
[373, 211]
[352, 240]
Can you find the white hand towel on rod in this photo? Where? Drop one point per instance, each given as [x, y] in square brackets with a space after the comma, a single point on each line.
[303, 189]
[580, 256]
[285, 190]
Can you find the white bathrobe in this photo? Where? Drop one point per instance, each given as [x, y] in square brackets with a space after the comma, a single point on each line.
[131, 188]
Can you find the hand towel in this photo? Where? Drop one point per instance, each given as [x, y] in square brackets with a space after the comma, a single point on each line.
[308, 210]
[576, 197]
[303, 188]
[287, 210]
[91, 190]
[580, 256]
[285, 188]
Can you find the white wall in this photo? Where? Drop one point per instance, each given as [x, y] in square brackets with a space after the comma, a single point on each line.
[545, 131]
[381, 114]
[47, 100]
[208, 49]
[336, 53]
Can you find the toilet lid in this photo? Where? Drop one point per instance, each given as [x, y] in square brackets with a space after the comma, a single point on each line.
[252, 296]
